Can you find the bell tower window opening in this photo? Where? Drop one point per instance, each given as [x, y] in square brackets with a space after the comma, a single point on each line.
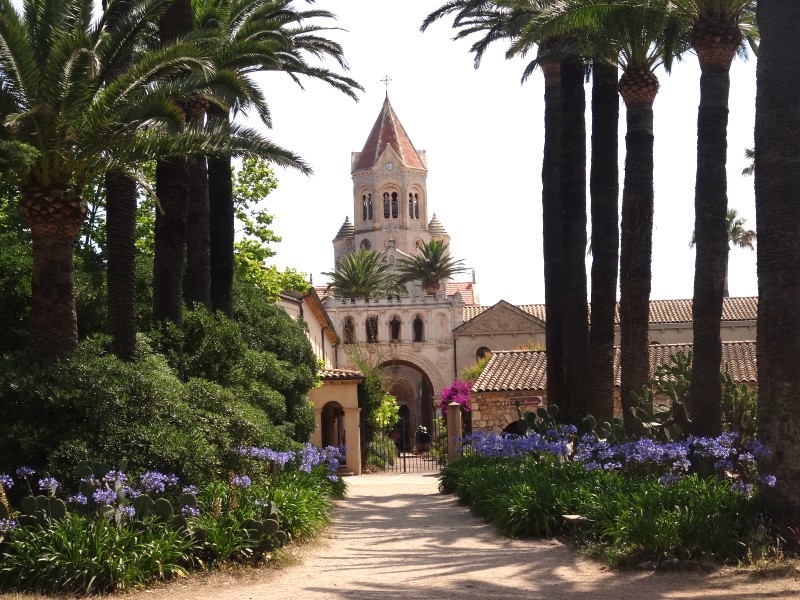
[366, 207]
[395, 207]
[413, 205]
[372, 330]
[418, 329]
[386, 205]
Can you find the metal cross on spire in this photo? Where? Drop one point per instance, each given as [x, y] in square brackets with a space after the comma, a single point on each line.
[386, 80]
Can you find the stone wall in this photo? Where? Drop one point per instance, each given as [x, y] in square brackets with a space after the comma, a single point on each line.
[492, 412]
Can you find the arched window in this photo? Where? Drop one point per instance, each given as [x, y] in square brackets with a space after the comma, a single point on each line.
[482, 353]
[366, 207]
[372, 330]
[413, 205]
[394, 326]
[395, 207]
[349, 331]
[386, 209]
[418, 329]
[365, 245]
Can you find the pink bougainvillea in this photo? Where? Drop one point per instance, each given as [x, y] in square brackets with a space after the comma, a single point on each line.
[458, 392]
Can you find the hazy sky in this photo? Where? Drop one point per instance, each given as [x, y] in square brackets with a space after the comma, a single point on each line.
[482, 131]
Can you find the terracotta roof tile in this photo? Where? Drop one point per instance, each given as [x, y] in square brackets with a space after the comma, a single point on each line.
[513, 370]
[464, 288]
[340, 374]
[510, 370]
[661, 311]
[388, 131]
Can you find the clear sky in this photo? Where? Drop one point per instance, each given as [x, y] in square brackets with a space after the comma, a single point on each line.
[482, 131]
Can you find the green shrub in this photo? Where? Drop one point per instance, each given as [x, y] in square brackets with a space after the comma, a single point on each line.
[382, 451]
[80, 555]
[303, 502]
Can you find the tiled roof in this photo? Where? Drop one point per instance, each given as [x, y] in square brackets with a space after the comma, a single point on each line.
[340, 374]
[661, 311]
[347, 230]
[388, 131]
[510, 370]
[513, 370]
[465, 288]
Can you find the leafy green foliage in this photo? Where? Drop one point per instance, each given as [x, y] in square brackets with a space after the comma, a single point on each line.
[363, 275]
[88, 556]
[431, 266]
[627, 518]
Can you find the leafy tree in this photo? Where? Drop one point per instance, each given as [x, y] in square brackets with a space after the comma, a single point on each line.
[363, 275]
[55, 59]
[432, 265]
[777, 185]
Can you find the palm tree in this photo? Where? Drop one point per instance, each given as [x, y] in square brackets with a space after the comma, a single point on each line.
[737, 235]
[777, 186]
[430, 267]
[637, 36]
[255, 36]
[363, 275]
[506, 20]
[718, 28]
[55, 62]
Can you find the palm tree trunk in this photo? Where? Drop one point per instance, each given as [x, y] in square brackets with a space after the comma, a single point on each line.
[222, 217]
[573, 202]
[121, 203]
[604, 189]
[777, 184]
[636, 246]
[172, 191]
[121, 197]
[198, 235]
[711, 234]
[55, 219]
[552, 234]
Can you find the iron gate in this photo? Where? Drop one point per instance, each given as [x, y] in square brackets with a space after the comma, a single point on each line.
[411, 446]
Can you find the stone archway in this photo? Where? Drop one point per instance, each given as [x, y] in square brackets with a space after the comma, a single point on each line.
[412, 388]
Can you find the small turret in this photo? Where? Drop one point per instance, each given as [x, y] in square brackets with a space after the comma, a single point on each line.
[437, 230]
[344, 242]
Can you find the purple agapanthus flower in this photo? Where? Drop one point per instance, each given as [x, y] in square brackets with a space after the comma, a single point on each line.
[78, 499]
[190, 511]
[25, 472]
[7, 525]
[48, 484]
[241, 481]
[103, 496]
[6, 481]
[128, 511]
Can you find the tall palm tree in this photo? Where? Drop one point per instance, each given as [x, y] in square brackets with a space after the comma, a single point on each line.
[506, 20]
[637, 36]
[55, 62]
[256, 36]
[718, 28]
[432, 265]
[363, 275]
[777, 185]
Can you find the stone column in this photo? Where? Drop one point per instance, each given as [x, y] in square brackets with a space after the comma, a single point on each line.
[453, 431]
[352, 436]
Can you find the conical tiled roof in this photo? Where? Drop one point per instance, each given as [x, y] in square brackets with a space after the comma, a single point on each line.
[436, 228]
[346, 230]
[388, 131]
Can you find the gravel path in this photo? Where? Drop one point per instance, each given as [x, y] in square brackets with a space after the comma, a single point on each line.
[397, 537]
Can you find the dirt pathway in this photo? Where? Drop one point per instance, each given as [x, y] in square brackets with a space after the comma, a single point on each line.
[397, 537]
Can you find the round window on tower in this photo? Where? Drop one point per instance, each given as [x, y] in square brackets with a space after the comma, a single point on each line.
[365, 245]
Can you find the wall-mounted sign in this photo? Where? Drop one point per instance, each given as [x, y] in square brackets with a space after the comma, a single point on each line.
[525, 401]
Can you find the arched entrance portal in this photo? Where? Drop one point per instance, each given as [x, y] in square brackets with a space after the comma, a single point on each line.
[416, 432]
[333, 425]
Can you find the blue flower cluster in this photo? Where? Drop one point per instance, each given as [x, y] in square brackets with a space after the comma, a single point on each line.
[241, 481]
[153, 481]
[7, 525]
[190, 511]
[509, 446]
[6, 481]
[307, 458]
[48, 484]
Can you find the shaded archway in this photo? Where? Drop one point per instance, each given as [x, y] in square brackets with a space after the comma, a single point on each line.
[412, 388]
[333, 425]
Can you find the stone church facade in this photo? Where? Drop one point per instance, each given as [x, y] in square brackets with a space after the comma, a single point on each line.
[424, 341]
